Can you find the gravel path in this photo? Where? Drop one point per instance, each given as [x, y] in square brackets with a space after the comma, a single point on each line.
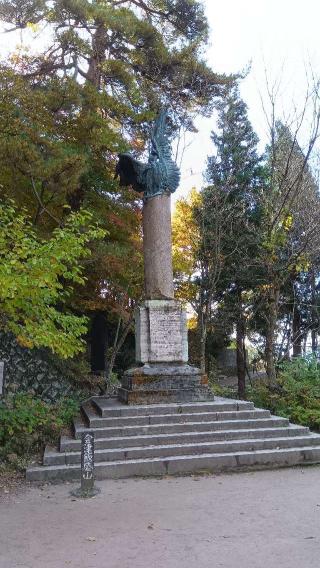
[250, 520]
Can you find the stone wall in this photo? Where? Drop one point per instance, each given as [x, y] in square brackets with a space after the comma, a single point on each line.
[32, 370]
[227, 359]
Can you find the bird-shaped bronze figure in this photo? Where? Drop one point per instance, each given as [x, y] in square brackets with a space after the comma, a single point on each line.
[161, 174]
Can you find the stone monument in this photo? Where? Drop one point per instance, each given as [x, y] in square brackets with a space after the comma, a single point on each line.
[87, 487]
[162, 373]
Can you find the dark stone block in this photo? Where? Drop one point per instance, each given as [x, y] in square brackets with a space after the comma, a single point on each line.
[152, 384]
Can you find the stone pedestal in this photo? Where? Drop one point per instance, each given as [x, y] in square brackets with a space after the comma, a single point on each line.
[162, 349]
[152, 384]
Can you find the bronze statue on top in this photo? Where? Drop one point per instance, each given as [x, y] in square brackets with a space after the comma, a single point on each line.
[161, 174]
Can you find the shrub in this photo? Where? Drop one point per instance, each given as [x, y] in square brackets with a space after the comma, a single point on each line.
[28, 423]
[296, 395]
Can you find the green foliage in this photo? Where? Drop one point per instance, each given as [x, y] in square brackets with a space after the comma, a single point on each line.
[22, 13]
[296, 395]
[235, 167]
[37, 277]
[289, 245]
[65, 113]
[228, 224]
[235, 173]
[27, 424]
[301, 377]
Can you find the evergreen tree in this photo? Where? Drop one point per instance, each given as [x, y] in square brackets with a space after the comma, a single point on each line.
[234, 172]
[235, 165]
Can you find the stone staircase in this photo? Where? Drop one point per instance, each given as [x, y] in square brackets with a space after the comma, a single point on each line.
[170, 439]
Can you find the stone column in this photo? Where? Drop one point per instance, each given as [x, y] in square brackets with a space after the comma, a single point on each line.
[157, 248]
[163, 373]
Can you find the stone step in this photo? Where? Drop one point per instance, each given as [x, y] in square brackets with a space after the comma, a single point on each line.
[95, 421]
[174, 465]
[70, 444]
[104, 432]
[52, 457]
[110, 407]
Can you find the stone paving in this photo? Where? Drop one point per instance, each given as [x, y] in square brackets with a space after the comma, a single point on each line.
[249, 520]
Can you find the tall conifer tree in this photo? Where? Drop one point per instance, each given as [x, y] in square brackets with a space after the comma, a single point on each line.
[234, 173]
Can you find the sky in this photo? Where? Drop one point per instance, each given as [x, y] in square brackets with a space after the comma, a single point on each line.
[278, 39]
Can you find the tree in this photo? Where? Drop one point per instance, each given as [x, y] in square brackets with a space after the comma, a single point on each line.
[185, 245]
[106, 69]
[37, 278]
[290, 209]
[215, 218]
[198, 259]
[230, 215]
[130, 55]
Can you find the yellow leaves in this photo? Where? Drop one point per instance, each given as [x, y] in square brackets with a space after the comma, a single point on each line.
[287, 222]
[264, 288]
[137, 144]
[185, 234]
[33, 27]
[279, 236]
[301, 264]
[185, 241]
[24, 342]
[192, 323]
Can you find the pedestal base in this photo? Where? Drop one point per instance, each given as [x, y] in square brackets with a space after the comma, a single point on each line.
[152, 384]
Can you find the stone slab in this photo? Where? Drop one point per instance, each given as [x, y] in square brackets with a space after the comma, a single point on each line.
[158, 451]
[165, 428]
[99, 422]
[69, 444]
[107, 407]
[175, 465]
[139, 380]
[161, 332]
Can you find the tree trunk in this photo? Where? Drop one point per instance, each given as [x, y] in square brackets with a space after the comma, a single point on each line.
[296, 332]
[203, 350]
[100, 42]
[314, 314]
[314, 341]
[240, 339]
[203, 341]
[271, 334]
[203, 316]
[118, 343]
[241, 360]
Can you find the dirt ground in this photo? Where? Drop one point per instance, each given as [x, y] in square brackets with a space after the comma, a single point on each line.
[248, 520]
